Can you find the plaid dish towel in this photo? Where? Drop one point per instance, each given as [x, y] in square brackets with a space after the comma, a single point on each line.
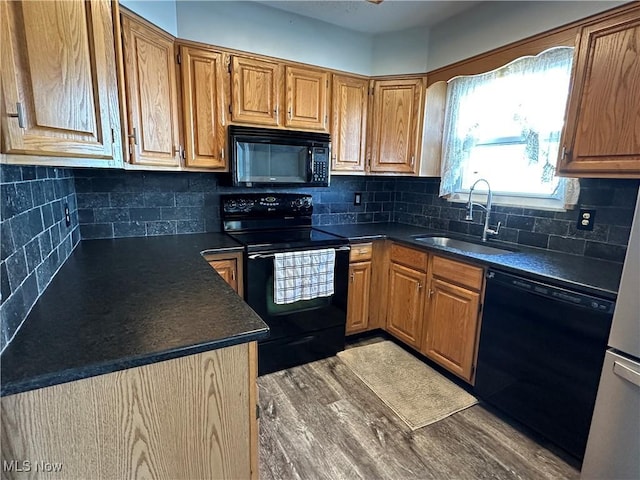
[303, 275]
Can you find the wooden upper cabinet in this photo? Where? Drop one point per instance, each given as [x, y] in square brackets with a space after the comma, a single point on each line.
[307, 98]
[151, 93]
[602, 132]
[255, 91]
[59, 81]
[395, 123]
[350, 98]
[203, 108]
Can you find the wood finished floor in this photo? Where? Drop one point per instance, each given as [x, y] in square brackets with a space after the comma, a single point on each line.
[319, 421]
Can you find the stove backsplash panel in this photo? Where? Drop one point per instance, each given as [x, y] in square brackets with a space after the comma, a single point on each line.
[114, 204]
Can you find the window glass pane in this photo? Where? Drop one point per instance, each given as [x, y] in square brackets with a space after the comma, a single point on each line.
[505, 126]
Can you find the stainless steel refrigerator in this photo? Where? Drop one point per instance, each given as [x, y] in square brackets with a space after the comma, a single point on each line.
[613, 448]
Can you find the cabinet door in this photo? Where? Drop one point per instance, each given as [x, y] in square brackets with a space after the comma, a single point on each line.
[306, 98]
[602, 134]
[59, 80]
[150, 77]
[203, 108]
[349, 123]
[405, 303]
[228, 270]
[450, 332]
[255, 91]
[358, 299]
[397, 106]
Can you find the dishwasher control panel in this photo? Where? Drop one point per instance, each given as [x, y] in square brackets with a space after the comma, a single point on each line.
[576, 298]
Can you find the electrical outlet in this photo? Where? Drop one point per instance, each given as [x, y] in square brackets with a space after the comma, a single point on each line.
[67, 215]
[586, 219]
[357, 199]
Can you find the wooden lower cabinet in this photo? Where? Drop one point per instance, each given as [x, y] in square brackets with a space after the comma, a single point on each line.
[441, 321]
[229, 267]
[190, 417]
[405, 308]
[451, 327]
[358, 299]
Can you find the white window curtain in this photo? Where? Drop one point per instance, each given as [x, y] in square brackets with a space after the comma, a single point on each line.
[524, 99]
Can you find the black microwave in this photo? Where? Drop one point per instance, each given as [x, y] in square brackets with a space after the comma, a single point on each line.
[267, 157]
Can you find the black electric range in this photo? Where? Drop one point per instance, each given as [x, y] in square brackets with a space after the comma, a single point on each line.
[301, 331]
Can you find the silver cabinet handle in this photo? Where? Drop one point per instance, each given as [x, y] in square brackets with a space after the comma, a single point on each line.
[19, 115]
[627, 373]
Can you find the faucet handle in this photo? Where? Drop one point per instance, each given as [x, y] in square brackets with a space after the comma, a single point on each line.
[496, 231]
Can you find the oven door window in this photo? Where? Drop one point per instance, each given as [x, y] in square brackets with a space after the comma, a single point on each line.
[271, 163]
[275, 309]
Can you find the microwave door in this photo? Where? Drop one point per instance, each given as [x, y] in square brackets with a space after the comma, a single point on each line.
[268, 163]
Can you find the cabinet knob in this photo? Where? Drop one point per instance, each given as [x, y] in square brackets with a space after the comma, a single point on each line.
[351, 276]
[419, 285]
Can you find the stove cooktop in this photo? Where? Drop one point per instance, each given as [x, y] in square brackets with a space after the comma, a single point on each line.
[287, 239]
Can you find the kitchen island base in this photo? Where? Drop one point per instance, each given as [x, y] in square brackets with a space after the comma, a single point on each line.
[191, 417]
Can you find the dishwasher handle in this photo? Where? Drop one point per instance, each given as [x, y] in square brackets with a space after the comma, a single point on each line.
[509, 281]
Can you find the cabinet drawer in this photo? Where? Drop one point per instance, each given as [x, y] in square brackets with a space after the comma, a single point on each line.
[409, 257]
[458, 272]
[360, 252]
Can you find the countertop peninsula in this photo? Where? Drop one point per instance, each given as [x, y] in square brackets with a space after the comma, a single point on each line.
[124, 303]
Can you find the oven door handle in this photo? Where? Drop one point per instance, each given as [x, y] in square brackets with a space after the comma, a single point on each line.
[255, 256]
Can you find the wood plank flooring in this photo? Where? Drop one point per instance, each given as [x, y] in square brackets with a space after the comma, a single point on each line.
[319, 421]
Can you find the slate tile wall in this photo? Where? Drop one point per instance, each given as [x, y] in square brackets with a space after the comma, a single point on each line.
[417, 203]
[35, 239]
[114, 204]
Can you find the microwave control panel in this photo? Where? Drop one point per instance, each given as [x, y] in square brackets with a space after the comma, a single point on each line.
[320, 165]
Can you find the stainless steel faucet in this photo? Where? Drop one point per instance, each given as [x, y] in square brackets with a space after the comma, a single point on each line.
[469, 217]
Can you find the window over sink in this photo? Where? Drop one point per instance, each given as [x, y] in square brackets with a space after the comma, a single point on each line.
[505, 126]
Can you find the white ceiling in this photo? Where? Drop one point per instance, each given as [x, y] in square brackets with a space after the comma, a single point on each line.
[366, 17]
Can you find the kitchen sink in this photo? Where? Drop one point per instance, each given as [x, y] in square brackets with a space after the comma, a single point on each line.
[461, 245]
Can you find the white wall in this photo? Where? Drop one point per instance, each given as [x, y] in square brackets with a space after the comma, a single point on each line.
[493, 24]
[253, 27]
[161, 13]
[256, 28]
[400, 52]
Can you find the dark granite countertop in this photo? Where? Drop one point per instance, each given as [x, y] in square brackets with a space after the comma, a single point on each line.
[585, 274]
[124, 303]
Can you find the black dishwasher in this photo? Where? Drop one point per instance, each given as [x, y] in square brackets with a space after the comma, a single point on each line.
[540, 356]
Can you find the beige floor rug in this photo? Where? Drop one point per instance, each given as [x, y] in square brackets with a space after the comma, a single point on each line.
[414, 391]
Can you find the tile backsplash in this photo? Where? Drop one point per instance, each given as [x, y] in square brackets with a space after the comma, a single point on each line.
[35, 238]
[417, 203]
[115, 204]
